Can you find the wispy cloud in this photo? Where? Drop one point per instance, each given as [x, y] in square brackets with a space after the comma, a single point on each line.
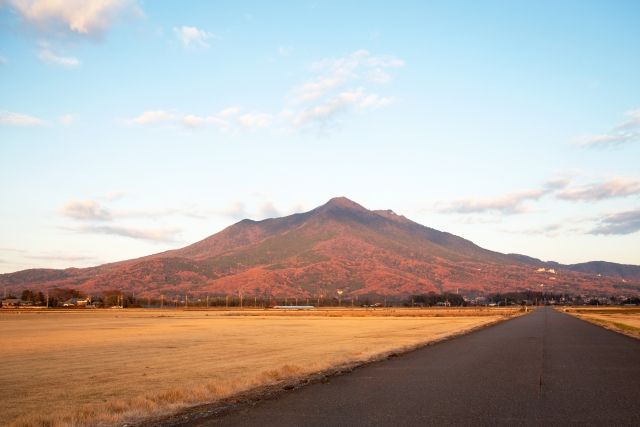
[193, 37]
[259, 210]
[560, 189]
[92, 210]
[508, 204]
[67, 119]
[86, 210]
[254, 120]
[612, 188]
[3, 60]
[607, 139]
[92, 217]
[268, 210]
[632, 122]
[81, 17]
[338, 85]
[152, 116]
[162, 235]
[626, 132]
[626, 222]
[225, 119]
[322, 113]
[17, 119]
[115, 195]
[333, 73]
[47, 55]
[54, 256]
[512, 203]
[237, 210]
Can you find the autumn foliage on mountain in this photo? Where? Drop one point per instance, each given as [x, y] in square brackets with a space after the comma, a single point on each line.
[339, 245]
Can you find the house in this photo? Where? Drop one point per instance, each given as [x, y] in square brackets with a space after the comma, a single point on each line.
[77, 302]
[11, 302]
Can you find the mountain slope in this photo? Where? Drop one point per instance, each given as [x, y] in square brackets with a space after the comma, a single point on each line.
[339, 245]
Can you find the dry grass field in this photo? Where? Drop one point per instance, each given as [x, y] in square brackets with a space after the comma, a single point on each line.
[621, 319]
[105, 367]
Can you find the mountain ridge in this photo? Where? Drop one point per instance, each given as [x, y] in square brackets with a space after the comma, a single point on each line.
[338, 245]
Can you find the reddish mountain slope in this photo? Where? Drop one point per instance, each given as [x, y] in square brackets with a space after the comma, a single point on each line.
[340, 245]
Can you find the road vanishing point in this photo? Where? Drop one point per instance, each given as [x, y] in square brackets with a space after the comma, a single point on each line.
[545, 368]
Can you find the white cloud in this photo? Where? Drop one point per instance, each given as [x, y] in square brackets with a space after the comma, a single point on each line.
[375, 101]
[633, 120]
[225, 119]
[17, 119]
[86, 210]
[607, 139]
[165, 235]
[340, 85]
[67, 119]
[267, 210]
[82, 17]
[322, 113]
[193, 37]
[54, 256]
[3, 60]
[192, 121]
[153, 116]
[378, 76]
[236, 210]
[612, 188]
[317, 102]
[50, 57]
[115, 195]
[254, 120]
[512, 203]
[626, 132]
[334, 73]
[229, 112]
[619, 223]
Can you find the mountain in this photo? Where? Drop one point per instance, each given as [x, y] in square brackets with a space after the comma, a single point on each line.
[339, 245]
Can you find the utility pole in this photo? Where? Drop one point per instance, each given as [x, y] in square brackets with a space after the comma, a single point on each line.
[226, 301]
[161, 301]
[47, 299]
[207, 300]
[186, 300]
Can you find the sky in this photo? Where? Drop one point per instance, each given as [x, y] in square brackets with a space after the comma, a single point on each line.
[132, 127]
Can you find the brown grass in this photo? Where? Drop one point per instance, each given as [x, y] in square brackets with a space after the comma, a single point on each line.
[625, 320]
[107, 367]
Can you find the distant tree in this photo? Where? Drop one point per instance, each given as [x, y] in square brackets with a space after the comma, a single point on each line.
[27, 295]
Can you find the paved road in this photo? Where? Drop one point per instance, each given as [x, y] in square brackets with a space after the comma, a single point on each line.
[546, 368]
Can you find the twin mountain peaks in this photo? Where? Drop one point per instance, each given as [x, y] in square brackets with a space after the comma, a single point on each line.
[339, 245]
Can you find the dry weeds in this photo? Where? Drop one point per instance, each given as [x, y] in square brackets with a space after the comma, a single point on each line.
[621, 319]
[106, 367]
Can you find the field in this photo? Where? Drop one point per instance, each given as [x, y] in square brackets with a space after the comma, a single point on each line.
[621, 319]
[106, 367]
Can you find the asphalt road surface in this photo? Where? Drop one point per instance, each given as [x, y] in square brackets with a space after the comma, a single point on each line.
[546, 368]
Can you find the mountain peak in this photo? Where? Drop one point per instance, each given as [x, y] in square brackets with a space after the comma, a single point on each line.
[343, 202]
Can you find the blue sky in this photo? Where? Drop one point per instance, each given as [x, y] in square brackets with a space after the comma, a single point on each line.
[128, 128]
